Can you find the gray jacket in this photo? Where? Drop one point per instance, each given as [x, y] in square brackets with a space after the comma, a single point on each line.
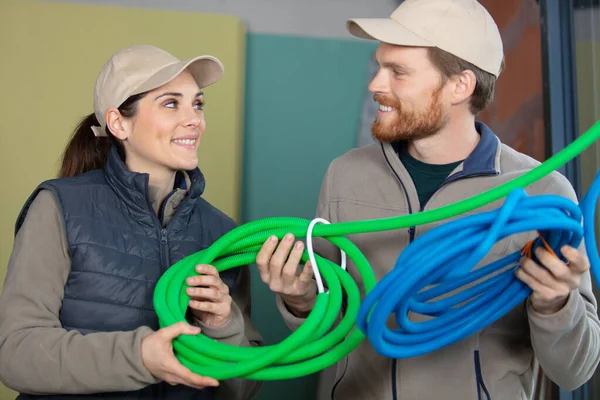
[497, 362]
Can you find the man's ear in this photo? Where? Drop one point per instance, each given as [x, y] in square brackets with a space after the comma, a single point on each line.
[464, 86]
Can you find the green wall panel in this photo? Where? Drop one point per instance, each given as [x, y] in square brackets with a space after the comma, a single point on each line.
[303, 104]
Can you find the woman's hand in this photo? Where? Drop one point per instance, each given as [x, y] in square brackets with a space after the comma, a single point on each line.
[210, 301]
[159, 359]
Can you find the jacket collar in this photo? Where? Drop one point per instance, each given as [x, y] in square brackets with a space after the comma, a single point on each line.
[483, 160]
[133, 187]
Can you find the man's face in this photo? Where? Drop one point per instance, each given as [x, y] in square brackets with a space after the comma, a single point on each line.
[409, 90]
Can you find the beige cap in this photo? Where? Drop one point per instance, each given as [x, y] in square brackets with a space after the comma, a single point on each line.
[139, 69]
[463, 28]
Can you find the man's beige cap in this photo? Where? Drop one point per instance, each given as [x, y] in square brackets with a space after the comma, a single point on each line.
[139, 69]
[463, 28]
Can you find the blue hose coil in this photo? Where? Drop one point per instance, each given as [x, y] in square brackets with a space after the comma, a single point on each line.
[443, 260]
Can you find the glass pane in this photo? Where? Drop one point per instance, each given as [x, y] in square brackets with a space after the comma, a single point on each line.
[587, 63]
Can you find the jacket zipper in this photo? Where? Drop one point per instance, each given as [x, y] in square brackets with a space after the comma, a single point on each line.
[411, 238]
[411, 234]
[341, 377]
[163, 233]
[479, 377]
[165, 255]
[164, 249]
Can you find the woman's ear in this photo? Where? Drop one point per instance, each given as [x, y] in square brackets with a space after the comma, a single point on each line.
[117, 124]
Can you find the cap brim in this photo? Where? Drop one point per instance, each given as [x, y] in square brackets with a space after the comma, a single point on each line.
[385, 30]
[206, 70]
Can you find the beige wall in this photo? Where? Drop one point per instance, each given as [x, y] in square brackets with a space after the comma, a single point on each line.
[51, 54]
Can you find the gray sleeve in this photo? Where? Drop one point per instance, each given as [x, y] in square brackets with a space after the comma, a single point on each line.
[38, 356]
[567, 343]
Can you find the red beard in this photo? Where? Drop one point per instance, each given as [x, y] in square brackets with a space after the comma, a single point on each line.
[408, 125]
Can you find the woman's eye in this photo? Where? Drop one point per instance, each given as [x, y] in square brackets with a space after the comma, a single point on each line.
[199, 105]
[171, 104]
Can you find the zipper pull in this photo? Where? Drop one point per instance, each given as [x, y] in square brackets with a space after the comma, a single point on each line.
[411, 233]
[163, 236]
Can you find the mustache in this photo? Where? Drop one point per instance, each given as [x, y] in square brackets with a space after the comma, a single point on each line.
[385, 101]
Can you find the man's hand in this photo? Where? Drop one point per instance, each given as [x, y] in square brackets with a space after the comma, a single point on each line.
[553, 282]
[280, 270]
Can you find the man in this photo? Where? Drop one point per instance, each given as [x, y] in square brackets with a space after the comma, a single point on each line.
[439, 61]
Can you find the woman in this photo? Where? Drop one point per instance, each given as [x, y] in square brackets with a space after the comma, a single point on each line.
[76, 313]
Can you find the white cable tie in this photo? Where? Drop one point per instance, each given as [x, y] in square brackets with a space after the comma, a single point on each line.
[311, 253]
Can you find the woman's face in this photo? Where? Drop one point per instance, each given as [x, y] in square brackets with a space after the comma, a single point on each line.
[165, 132]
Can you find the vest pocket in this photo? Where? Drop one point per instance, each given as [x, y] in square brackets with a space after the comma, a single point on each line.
[479, 378]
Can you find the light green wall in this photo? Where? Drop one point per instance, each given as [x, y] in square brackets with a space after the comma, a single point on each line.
[51, 54]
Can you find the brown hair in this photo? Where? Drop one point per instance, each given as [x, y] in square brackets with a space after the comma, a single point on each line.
[450, 65]
[86, 152]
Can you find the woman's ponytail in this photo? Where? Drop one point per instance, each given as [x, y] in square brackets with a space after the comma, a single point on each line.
[85, 151]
